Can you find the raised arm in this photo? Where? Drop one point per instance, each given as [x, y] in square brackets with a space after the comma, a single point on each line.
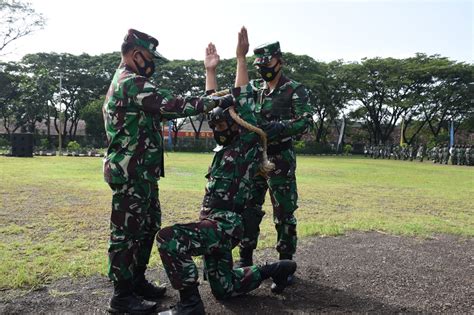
[163, 102]
[211, 61]
[242, 76]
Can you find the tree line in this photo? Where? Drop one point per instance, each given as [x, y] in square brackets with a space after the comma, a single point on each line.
[426, 92]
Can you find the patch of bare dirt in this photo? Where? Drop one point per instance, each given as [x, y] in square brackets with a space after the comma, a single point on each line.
[355, 273]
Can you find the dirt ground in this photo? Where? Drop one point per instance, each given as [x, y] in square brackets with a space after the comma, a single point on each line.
[356, 273]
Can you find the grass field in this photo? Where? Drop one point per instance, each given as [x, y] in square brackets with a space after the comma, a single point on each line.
[54, 211]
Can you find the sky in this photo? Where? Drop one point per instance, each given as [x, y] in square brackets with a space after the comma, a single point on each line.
[325, 30]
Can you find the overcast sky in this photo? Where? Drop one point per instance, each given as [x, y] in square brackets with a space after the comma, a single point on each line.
[325, 30]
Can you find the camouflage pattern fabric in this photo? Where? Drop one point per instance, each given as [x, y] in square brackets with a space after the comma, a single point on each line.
[133, 110]
[288, 104]
[281, 184]
[264, 53]
[445, 155]
[178, 243]
[461, 155]
[134, 222]
[143, 40]
[469, 155]
[454, 157]
[220, 226]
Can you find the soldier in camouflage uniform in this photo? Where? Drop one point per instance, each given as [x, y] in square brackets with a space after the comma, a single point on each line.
[376, 152]
[220, 226]
[420, 153]
[389, 151]
[409, 152]
[440, 154]
[284, 113]
[469, 155]
[434, 154]
[462, 155]
[396, 153]
[451, 153]
[454, 159]
[457, 150]
[445, 154]
[132, 112]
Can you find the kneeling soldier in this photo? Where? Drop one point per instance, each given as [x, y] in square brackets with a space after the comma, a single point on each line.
[220, 228]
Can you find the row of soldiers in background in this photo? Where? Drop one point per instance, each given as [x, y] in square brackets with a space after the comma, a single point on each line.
[456, 155]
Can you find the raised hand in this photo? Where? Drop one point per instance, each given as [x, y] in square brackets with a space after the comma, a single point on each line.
[241, 75]
[212, 58]
[242, 43]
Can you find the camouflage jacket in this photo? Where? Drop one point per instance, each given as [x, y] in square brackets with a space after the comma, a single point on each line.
[133, 110]
[229, 178]
[288, 103]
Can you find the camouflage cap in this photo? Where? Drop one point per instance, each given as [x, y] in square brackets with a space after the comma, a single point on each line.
[265, 52]
[143, 40]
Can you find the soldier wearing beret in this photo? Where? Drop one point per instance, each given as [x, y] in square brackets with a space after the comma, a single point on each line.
[283, 111]
[133, 110]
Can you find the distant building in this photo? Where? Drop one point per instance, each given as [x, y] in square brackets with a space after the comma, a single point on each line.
[187, 131]
[41, 128]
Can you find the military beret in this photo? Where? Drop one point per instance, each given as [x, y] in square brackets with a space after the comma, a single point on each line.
[143, 40]
[265, 52]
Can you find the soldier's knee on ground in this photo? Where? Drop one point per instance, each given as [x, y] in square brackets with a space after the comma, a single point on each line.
[221, 285]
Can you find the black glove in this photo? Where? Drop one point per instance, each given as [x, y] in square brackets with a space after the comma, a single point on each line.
[225, 102]
[273, 129]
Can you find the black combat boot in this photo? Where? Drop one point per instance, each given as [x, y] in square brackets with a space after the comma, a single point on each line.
[190, 303]
[279, 272]
[143, 288]
[291, 278]
[124, 301]
[246, 258]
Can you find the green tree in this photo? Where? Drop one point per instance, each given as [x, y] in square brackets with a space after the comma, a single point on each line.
[380, 90]
[9, 96]
[92, 115]
[84, 79]
[450, 97]
[442, 93]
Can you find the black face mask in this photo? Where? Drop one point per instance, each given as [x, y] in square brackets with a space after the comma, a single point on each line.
[269, 73]
[148, 65]
[225, 137]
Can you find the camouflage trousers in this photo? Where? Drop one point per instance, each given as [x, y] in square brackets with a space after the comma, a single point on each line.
[178, 243]
[281, 184]
[134, 222]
